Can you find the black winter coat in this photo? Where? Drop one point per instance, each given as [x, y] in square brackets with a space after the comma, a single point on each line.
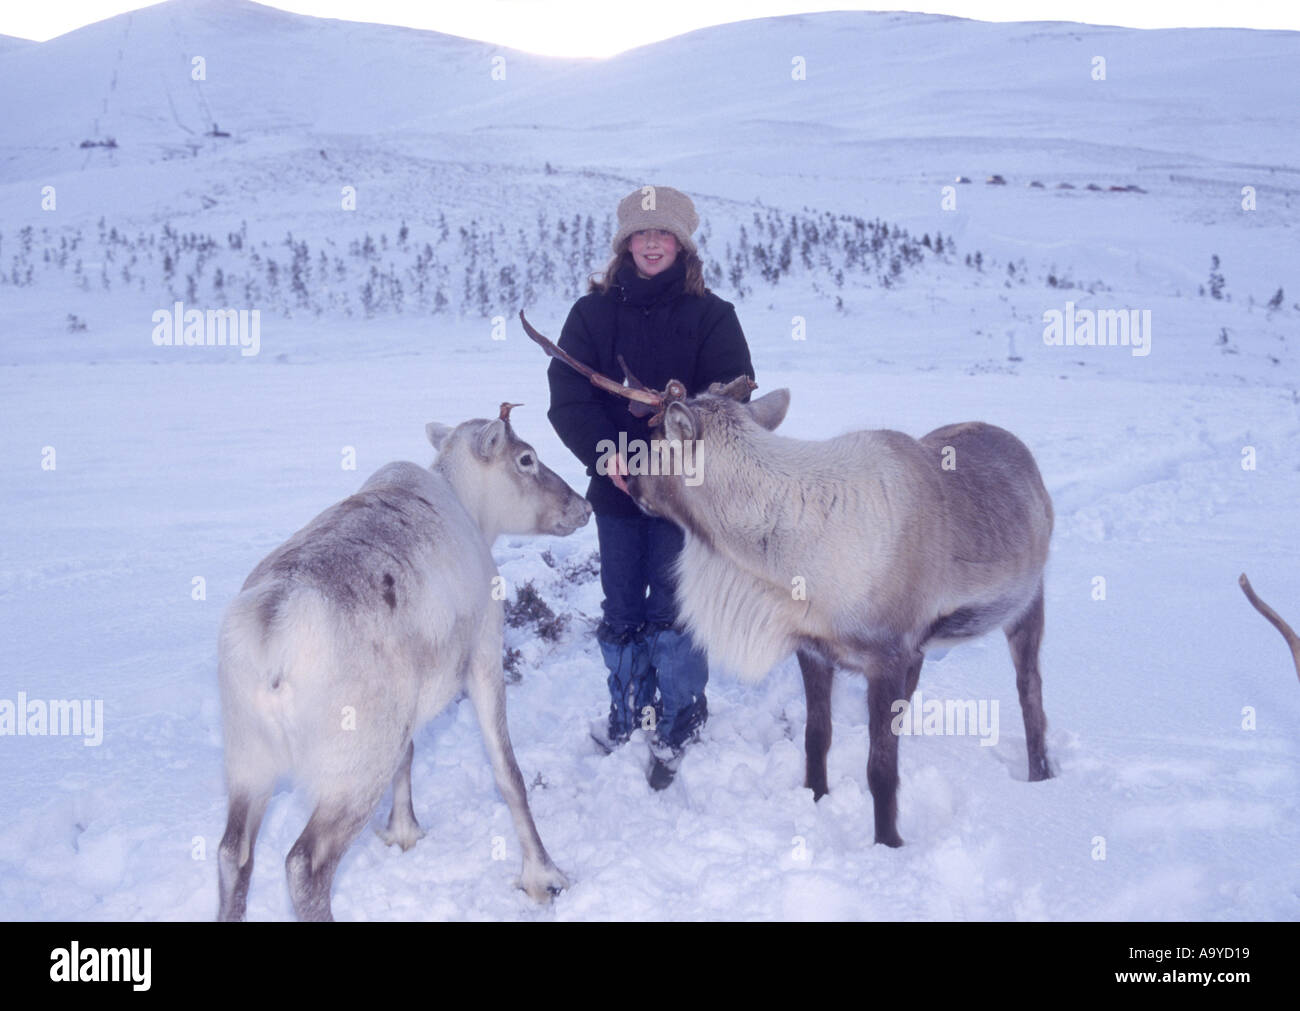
[662, 333]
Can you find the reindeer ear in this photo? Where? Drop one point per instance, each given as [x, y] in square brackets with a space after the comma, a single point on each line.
[679, 423]
[769, 409]
[490, 439]
[437, 433]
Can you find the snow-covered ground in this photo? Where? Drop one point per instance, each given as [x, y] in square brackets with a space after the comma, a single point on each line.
[176, 463]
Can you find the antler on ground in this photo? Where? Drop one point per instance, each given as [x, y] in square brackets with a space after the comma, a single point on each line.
[1288, 633]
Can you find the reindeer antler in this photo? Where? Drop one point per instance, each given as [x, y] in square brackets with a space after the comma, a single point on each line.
[1274, 618]
[644, 401]
[632, 380]
[504, 414]
[737, 389]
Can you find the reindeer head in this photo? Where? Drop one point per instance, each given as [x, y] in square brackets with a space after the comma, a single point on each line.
[501, 480]
[696, 447]
[687, 432]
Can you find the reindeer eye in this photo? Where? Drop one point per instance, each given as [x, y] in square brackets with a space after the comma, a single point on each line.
[526, 460]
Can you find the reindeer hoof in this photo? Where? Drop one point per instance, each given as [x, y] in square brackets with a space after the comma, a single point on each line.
[893, 840]
[403, 835]
[543, 883]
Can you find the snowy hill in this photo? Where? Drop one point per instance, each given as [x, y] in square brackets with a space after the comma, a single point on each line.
[916, 77]
[904, 78]
[824, 198]
[265, 74]
[417, 122]
[8, 43]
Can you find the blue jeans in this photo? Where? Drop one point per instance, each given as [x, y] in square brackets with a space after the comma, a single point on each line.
[639, 640]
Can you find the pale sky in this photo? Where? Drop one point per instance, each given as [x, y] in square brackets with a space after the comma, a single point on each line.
[604, 27]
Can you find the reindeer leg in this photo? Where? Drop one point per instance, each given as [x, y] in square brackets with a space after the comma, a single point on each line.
[235, 855]
[402, 829]
[818, 674]
[1024, 636]
[486, 688]
[913, 675]
[886, 675]
[313, 859]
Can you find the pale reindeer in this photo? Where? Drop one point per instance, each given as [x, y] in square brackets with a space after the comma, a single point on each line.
[861, 552]
[361, 628]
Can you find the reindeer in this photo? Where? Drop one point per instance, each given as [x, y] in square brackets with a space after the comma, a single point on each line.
[861, 552]
[361, 628]
[1273, 618]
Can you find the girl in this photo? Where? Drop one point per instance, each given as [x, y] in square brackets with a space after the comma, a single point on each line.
[650, 306]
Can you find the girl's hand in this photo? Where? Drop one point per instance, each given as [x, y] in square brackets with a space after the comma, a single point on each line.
[618, 469]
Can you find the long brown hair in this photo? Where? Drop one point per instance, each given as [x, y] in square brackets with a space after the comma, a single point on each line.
[694, 284]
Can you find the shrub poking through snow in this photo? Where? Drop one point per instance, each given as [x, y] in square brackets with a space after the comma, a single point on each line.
[528, 607]
[510, 661]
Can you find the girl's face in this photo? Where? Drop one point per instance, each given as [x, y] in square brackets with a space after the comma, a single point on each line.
[653, 251]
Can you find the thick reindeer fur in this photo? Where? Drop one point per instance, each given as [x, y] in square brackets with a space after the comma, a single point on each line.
[861, 551]
[362, 627]
[854, 541]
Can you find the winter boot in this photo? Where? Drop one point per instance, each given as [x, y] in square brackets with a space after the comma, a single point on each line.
[630, 681]
[682, 671]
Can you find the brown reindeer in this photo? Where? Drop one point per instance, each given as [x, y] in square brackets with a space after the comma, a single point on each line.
[860, 552]
[1274, 618]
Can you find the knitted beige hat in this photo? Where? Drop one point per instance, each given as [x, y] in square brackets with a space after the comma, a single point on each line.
[657, 207]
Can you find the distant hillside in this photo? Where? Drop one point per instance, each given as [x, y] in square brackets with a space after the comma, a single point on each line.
[864, 79]
[261, 74]
[1091, 156]
[8, 43]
